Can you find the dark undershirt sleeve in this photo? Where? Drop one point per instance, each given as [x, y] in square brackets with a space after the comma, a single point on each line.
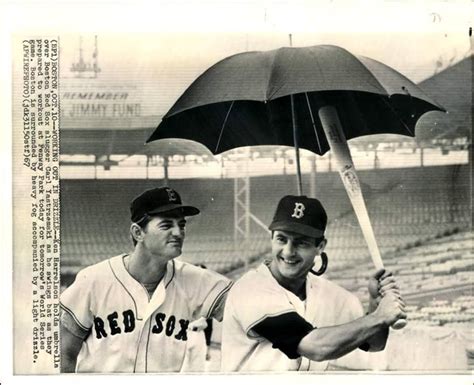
[365, 347]
[285, 332]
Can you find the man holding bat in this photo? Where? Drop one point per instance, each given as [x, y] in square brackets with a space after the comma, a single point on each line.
[282, 316]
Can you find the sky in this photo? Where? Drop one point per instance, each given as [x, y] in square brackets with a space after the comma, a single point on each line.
[160, 66]
[159, 49]
[162, 56]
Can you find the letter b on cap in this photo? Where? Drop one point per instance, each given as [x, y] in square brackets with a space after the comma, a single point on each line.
[171, 195]
[298, 211]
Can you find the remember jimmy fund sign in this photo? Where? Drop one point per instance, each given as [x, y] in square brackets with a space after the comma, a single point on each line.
[99, 104]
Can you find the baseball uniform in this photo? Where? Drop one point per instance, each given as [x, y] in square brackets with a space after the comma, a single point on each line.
[258, 296]
[125, 329]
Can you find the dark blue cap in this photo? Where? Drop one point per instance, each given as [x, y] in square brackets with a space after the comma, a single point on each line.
[301, 215]
[159, 200]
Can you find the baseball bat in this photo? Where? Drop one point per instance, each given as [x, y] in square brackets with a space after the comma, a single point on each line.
[338, 143]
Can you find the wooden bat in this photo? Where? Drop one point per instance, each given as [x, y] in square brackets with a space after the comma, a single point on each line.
[338, 143]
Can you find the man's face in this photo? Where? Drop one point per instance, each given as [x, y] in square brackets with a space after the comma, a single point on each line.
[164, 235]
[293, 254]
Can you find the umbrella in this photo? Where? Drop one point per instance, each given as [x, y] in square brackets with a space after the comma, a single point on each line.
[311, 97]
[273, 98]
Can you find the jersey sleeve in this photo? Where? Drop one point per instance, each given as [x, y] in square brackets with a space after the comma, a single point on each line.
[285, 332]
[75, 303]
[209, 293]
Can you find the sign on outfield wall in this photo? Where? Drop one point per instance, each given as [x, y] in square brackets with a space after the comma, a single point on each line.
[92, 104]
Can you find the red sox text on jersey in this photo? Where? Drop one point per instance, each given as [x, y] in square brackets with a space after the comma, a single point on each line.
[127, 330]
[162, 324]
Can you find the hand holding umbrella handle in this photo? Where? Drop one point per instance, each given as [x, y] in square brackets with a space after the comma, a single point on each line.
[337, 141]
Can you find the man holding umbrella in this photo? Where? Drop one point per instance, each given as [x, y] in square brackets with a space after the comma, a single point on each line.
[280, 317]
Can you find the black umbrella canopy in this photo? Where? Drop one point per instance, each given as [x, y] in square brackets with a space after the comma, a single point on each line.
[244, 100]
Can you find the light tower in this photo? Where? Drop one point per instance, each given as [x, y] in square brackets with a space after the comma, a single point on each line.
[81, 67]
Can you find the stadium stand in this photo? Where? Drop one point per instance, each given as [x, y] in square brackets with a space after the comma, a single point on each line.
[427, 271]
[407, 207]
[421, 219]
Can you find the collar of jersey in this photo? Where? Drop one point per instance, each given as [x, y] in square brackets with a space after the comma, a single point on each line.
[311, 283]
[135, 289]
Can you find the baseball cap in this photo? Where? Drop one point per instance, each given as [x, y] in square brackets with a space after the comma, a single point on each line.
[300, 214]
[159, 201]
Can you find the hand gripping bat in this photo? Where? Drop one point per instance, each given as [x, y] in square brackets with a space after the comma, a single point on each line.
[337, 141]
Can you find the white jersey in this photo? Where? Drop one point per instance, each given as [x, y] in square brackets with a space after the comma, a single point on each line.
[257, 295]
[131, 332]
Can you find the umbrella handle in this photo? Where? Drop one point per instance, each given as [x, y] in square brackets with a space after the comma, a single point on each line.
[338, 143]
[296, 144]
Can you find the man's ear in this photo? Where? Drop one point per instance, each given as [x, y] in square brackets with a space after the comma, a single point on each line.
[137, 232]
[322, 245]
